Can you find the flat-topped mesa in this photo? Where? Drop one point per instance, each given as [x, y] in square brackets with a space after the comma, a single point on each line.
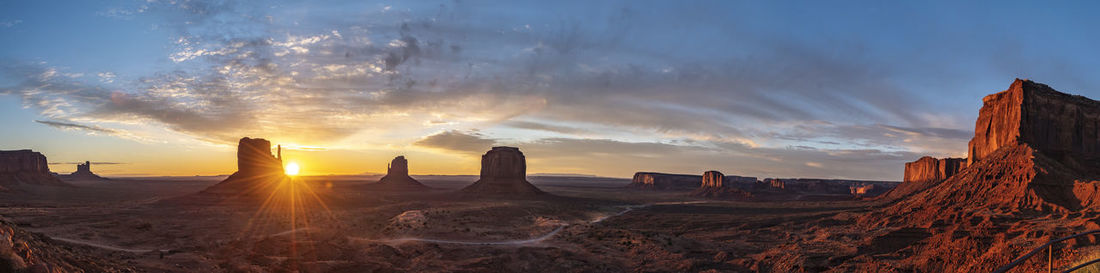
[26, 167]
[712, 179]
[1052, 122]
[23, 161]
[715, 184]
[664, 181]
[930, 169]
[503, 171]
[397, 176]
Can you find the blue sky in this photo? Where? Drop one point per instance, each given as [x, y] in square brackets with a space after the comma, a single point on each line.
[769, 88]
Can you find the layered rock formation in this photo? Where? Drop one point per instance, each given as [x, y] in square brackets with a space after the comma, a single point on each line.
[397, 176]
[257, 170]
[924, 173]
[1055, 123]
[25, 167]
[84, 172]
[504, 172]
[818, 186]
[929, 168]
[712, 179]
[664, 181]
[254, 158]
[1031, 176]
[714, 184]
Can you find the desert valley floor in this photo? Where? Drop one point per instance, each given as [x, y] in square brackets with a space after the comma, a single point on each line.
[586, 224]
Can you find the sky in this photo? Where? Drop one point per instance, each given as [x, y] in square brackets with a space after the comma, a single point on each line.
[756, 88]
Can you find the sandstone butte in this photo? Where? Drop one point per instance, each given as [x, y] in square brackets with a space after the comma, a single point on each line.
[503, 172]
[25, 167]
[258, 171]
[397, 176]
[715, 184]
[84, 172]
[1030, 177]
[924, 173]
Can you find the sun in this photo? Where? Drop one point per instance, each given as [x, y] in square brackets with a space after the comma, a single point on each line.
[292, 168]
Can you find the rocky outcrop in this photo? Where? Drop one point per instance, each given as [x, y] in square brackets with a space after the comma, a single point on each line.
[712, 179]
[23, 251]
[925, 173]
[258, 172]
[84, 172]
[23, 161]
[397, 177]
[25, 167]
[503, 172]
[664, 181]
[715, 185]
[1031, 170]
[1055, 123]
[928, 169]
[254, 158]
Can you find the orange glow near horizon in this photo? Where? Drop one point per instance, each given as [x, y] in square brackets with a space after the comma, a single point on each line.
[292, 168]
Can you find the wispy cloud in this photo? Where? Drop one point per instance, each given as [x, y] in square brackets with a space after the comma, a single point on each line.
[74, 126]
[454, 75]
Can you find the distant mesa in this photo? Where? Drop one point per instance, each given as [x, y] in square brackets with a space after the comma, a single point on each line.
[664, 181]
[927, 169]
[503, 172]
[715, 184]
[84, 172]
[257, 169]
[925, 173]
[25, 167]
[397, 177]
[712, 179]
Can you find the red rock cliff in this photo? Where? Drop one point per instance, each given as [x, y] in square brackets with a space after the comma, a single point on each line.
[1052, 122]
[928, 169]
[712, 179]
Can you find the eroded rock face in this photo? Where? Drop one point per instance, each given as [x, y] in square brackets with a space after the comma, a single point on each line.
[928, 169]
[712, 179]
[254, 158]
[1052, 122]
[664, 181]
[258, 172]
[503, 163]
[503, 171]
[23, 161]
[715, 184]
[84, 172]
[398, 166]
[1031, 170]
[397, 176]
[25, 167]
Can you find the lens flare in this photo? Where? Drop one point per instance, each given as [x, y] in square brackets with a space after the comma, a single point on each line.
[292, 168]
